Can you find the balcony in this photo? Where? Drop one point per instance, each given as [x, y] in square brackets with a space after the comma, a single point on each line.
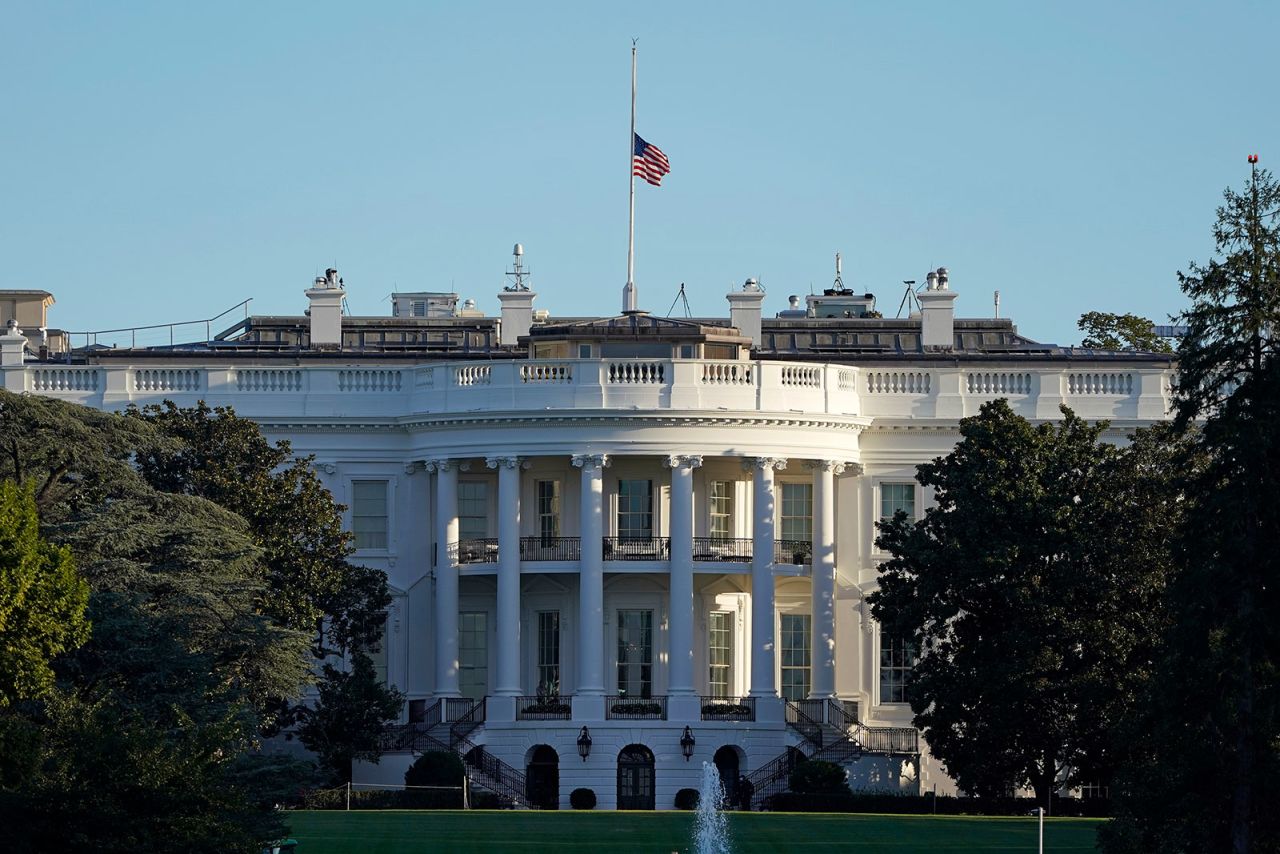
[797, 552]
[728, 708]
[722, 549]
[620, 708]
[637, 548]
[550, 548]
[478, 551]
[543, 709]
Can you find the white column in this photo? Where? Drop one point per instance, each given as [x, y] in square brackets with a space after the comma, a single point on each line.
[588, 702]
[508, 681]
[762, 600]
[822, 685]
[680, 634]
[446, 615]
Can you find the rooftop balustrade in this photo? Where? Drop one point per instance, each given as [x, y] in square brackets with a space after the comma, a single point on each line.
[949, 392]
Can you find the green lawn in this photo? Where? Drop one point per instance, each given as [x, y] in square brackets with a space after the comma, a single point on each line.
[406, 832]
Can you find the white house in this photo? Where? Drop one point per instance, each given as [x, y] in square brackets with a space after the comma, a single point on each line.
[623, 546]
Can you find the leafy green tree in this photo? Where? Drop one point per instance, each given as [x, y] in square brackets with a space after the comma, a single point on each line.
[351, 712]
[1020, 589]
[226, 459]
[1107, 331]
[1207, 752]
[42, 600]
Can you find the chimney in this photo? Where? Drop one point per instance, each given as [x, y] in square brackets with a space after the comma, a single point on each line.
[744, 310]
[12, 345]
[326, 310]
[937, 311]
[517, 303]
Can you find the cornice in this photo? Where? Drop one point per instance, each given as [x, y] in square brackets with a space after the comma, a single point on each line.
[410, 424]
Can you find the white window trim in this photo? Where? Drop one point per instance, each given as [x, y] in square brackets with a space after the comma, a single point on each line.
[348, 516]
[875, 659]
[876, 483]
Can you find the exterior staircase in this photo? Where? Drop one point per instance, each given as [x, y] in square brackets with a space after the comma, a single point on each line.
[448, 726]
[828, 733]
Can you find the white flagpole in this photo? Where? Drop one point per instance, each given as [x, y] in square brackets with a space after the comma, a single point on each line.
[629, 292]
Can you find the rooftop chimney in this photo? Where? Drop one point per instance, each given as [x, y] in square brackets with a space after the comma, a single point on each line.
[744, 310]
[937, 311]
[517, 303]
[326, 310]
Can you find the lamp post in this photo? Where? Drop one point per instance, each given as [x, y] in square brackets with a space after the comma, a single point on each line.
[687, 742]
[584, 743]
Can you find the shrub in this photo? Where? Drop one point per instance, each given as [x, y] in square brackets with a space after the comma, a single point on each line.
[907, 804]
[815, 777]
[582, 799]
[687, 799]
[637, 709]
[435, 768]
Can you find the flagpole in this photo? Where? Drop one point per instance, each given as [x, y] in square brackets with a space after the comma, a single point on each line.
[629, 292]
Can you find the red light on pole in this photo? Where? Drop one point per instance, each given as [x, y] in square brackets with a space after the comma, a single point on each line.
[1253, 158]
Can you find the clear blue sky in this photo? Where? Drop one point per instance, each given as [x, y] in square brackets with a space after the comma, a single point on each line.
[164, 161]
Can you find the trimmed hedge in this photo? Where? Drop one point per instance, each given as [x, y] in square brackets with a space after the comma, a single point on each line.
[687, 799]
[819, 778]
[582, 799]
[894, 804]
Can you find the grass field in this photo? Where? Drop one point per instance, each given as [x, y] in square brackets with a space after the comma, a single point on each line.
[409, 832]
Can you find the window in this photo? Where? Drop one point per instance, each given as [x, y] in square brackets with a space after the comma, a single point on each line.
[473, 510]
[378, 654]
[369, 513]
[548, 653]
[548, 510]
[686, 351]
[796, 655]
[473, 654]
[719, 652]
[418, 308]
[797, 512]
[635, 509]
[1095, 790]
[897, 657]
[635, 654]
[895, 497]
[584, 351]
[722, 508]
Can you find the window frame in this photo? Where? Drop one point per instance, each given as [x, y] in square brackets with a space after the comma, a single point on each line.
[387, 503]
[897, 687]
[783, 515]
[806, 649]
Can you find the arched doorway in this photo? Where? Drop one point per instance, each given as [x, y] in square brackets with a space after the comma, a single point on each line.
[542, 778]
[636, 778]
[729, 765]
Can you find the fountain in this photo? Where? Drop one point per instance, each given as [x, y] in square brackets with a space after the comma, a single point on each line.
[710, 828]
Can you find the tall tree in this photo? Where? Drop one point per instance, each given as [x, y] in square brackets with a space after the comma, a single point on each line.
[42, 600]
[351, 712]
[1026, 607]
[1108, 331]
[1215, 740]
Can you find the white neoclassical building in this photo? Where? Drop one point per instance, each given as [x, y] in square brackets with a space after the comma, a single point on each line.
[619, 547]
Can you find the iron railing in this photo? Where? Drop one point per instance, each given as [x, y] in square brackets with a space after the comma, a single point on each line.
[728, 708]
[550, 548]
[483, 550]
[773, 777]
[792, 551]
[637, 548]
[619, 708]
[804, 716]
[722, 549]
[893, 741]
[543, 709]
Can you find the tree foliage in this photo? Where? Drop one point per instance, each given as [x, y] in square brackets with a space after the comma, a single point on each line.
[351, 712]
[42, 600]
[1106, 331]
[1031, 591]
[1207, 749]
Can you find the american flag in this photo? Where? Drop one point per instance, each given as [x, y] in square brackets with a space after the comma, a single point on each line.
[648, 161]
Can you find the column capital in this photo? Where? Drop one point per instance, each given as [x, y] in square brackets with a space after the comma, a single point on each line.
[327, 468]
[440, 464]
[412, 467]
[505, 462]
[591, 461]
[692, 461]
[834, 466]
[775, 463]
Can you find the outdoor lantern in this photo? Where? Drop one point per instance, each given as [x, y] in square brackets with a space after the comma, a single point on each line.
[584, 744]
[686, 743]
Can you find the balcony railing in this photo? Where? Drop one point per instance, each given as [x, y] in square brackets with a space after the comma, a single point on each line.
[619, 708]
[550, 548]
[543, 709]
[478, 551]
[792, 551]
[728, 708]
[637, 548]
[722, 549]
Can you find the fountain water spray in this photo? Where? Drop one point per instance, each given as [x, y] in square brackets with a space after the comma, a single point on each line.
[710, 828]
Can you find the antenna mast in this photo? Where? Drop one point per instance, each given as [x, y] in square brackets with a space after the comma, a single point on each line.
[519, 273]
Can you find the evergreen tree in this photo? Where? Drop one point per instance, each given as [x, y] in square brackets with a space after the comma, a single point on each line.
[351, 712]
[1030, 591]
[1107, 331]
[1205, 775]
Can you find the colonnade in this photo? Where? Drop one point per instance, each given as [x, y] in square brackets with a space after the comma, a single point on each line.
[591, 689]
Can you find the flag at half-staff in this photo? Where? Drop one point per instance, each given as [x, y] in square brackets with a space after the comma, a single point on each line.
[648, 161]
